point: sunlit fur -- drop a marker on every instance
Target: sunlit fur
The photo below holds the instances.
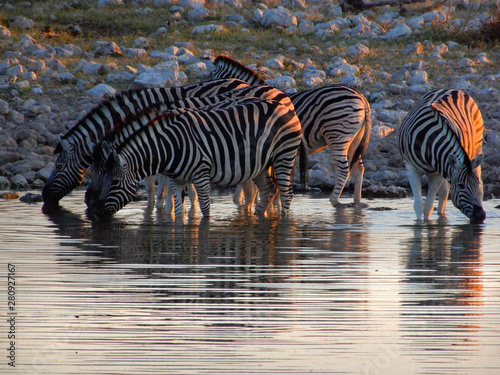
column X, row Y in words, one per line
column 101, row 120
column 225, row 147
column 334, row 116
column 442, row 138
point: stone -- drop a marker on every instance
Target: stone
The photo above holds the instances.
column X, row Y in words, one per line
column 20, row 22
column 107, row 49
column 101, row 90
column 401, row 30
column 358, row 50
column 204, row 29
column 283, row 83
column 281, row 17
column 18, row 181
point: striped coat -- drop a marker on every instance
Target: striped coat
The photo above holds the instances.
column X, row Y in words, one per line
column 226, row 147
column 75, row 147
column 442, row 138
column 335, row 116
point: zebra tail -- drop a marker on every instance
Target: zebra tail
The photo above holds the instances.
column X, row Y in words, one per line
column 363, row 144
column 303, row 166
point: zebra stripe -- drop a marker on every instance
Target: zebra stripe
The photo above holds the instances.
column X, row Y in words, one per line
column 75, row 147
column 442, row 138
column 226, row 146
column 125, row 128
column 335, row 116
column 226, row 67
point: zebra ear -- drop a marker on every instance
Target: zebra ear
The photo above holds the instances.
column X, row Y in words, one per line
column 476, row 162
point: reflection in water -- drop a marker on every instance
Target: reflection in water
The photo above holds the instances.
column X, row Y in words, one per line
column 443, row 288
column 342, row 290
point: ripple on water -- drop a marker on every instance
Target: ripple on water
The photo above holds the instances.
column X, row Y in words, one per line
column 324, row 291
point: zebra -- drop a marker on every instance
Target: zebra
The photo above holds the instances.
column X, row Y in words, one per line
column 226, row 147
column 127, row 127
column 334, row 116
column 441, row 137
column 74, row 148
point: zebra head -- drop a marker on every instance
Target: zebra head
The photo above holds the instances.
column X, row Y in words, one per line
column 466, row 187
column 119, row 187
column 100, row 155
column 67, row 173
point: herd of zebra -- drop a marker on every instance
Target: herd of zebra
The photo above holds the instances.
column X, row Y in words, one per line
column 234, row 130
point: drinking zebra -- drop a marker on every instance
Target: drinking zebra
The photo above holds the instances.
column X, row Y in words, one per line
column 335, row 116
column 442, row 138
column 74, row 148
column 226, row 147
column 127, row 127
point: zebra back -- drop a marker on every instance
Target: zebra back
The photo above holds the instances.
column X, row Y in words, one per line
column 448, row 119
column 226, row 67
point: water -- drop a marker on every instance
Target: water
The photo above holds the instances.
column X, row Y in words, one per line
column 348, row 291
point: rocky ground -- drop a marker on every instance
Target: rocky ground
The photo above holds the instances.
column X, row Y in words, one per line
column 392, row 55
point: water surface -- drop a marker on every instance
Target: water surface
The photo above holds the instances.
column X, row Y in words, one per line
column 325, row 291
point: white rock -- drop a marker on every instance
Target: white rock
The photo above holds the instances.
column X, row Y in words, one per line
column 4, row 107
column 4, row 32
column 464, row 63
column 192, row 3
column 105, row 3
column 20, row 22
column 358, row 50
column 156, row 78
column 198, row 69
column 278, row 17
column 107, row 48
column 207, row 29
column 417, row 77
column 434, row 16
column 276, row 63
column 134, row 53
column 350, row 81
column 101, row 90
column 283, row 83
column 401, row 30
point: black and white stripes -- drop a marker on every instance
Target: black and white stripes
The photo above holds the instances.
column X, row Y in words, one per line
column 334, row 116
column 226, row 146
column 442, row 138
column 75, row 147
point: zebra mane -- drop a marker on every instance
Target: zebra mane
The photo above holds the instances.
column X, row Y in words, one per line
column 224, row 60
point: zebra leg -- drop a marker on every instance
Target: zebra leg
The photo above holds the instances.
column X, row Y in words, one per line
column 150, row 189
column 237, row 199
column 193, row 198
column 267, row 191
column 435, row 181
column 415, row 179
column 161, row 191
column 357, row 172
column 341, row 168
column 202, row 187
column 250, row 193
column 443, row 191
column 283, row 174
column 177, row 191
